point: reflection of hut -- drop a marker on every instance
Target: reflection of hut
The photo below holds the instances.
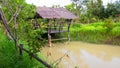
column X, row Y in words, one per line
column 55, row 14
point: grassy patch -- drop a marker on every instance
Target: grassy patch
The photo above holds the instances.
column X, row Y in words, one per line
column 10, row 60
column 98, row 32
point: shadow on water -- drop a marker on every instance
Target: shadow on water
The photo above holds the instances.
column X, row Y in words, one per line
column 83, row 55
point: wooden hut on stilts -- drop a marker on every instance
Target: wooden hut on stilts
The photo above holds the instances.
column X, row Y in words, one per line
column 55, row 14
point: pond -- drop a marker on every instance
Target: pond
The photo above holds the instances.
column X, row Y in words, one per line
column 83, row 55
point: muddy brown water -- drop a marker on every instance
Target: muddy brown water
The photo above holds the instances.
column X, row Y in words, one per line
column 83, row 55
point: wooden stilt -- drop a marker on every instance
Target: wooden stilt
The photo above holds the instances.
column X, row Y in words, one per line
column 49, row 40
column 69, row 23
column 68, row 37
column 49, row 36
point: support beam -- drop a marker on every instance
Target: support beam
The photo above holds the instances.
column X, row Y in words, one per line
column 69, row 23
column 49, row 36
column 49, row 40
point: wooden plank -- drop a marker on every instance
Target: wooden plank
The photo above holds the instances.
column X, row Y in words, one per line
column 57, row 27
column 57, row 39
column 58, row 31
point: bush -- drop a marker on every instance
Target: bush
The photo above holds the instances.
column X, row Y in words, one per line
column 116, row 31
column 10, row 60
column 117, row 24
column 96, row 24
column 94, row 32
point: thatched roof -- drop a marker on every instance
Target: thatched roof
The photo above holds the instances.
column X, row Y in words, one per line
column 50, row 13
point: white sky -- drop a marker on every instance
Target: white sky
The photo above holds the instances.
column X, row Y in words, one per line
column 50, row 3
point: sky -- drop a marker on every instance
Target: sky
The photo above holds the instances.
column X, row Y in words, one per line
column 50, row 3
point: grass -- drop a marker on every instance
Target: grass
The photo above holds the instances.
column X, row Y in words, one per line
column 98, row 32
column 8, row 58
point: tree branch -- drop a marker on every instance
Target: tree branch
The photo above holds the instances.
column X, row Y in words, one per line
column 18, row 9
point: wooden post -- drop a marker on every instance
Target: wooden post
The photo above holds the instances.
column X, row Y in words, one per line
column 69, row 23
column 21, row 45
column 49, row 37
column 55, row 25
column 60, row 27
column 49, row 40
column 68, row 36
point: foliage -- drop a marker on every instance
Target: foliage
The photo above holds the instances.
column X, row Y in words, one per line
column 116, row 31
column 10, row 60
column 26, row 31
column 117, row 6
column 71, row 7
column 90, row 11
column 98, row 32
column 95, row 8
column 79, row 5
column 110, row 10
column 34, row 39
column 108, row 24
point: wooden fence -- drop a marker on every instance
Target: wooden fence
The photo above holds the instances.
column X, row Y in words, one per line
column 32, row 55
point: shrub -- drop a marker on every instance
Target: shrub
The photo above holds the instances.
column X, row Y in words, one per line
column 10, row 60
column 116, row 31
column 94, row 32
column 95, row 24
column 98, row 32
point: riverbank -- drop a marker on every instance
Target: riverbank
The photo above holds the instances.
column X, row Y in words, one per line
column 98, row 32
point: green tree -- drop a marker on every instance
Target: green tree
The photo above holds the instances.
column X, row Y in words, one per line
column 24, row 22
column 71, row 7
column 79, row 5
column 95, row 8
column 110, row 10
column 117, row 6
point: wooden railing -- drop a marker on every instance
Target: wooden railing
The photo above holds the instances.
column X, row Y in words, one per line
column 32, row 55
